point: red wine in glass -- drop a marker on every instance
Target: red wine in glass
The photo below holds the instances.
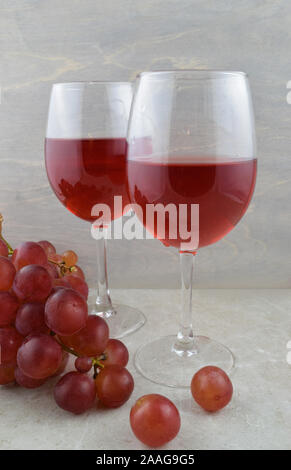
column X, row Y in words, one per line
column 85, row 153
column 222, row 187
column 202, row 161
column 85, row 172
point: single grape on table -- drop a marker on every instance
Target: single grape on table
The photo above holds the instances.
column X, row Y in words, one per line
column 155, row 420
column 211, row 388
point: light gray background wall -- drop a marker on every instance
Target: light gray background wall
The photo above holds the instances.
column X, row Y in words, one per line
column 44, row 41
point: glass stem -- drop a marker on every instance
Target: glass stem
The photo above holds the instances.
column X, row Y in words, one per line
column 103, row 301
column 185, row 344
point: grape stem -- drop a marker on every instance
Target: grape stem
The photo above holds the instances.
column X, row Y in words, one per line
column 95, row 361
column 95, row 371
column 97, row 365
column 63, row 268
column 65, row 348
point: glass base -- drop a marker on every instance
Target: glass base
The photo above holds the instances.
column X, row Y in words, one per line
column 160, row 362
column 122, row 320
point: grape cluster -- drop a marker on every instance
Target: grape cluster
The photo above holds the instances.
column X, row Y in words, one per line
column 44, row 318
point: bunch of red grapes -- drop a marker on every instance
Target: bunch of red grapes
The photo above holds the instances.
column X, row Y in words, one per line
column 44, row 317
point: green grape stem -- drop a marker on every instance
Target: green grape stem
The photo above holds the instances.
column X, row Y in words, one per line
column 96, row 361
column 97, row 366
column 63, row 268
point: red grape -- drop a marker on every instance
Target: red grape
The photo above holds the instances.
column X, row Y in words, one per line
column 6, row 374
column 70, row 258
column 83, row 364
column 56, row 289
column 48, row 247
column 155, row 420
column 116, row 353
column 114, row 385
column 66, row 312
column 8, row 308
column 52, row 270
column 63, row 364
column 56, row 258
column 29, row 253
column 62, row 282
column 25, row 381
column 79, row 285
column 30, row 319
column 77, row 272
column 10, row 342
column 75, row 392
column 7, row 273
column 39, row 356
column 211, row 388
column 91, row 340
column 32, row 283
column 3, row 249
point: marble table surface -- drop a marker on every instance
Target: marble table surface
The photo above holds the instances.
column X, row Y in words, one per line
column 255, row 324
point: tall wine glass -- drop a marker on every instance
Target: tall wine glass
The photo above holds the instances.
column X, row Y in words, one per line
column 201, row 155
column 85, row 154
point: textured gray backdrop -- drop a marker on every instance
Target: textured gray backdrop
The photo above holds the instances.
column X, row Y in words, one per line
column 44, row 41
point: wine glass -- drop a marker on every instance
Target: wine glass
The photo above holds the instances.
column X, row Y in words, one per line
column 202, row 164
column 85, row 155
